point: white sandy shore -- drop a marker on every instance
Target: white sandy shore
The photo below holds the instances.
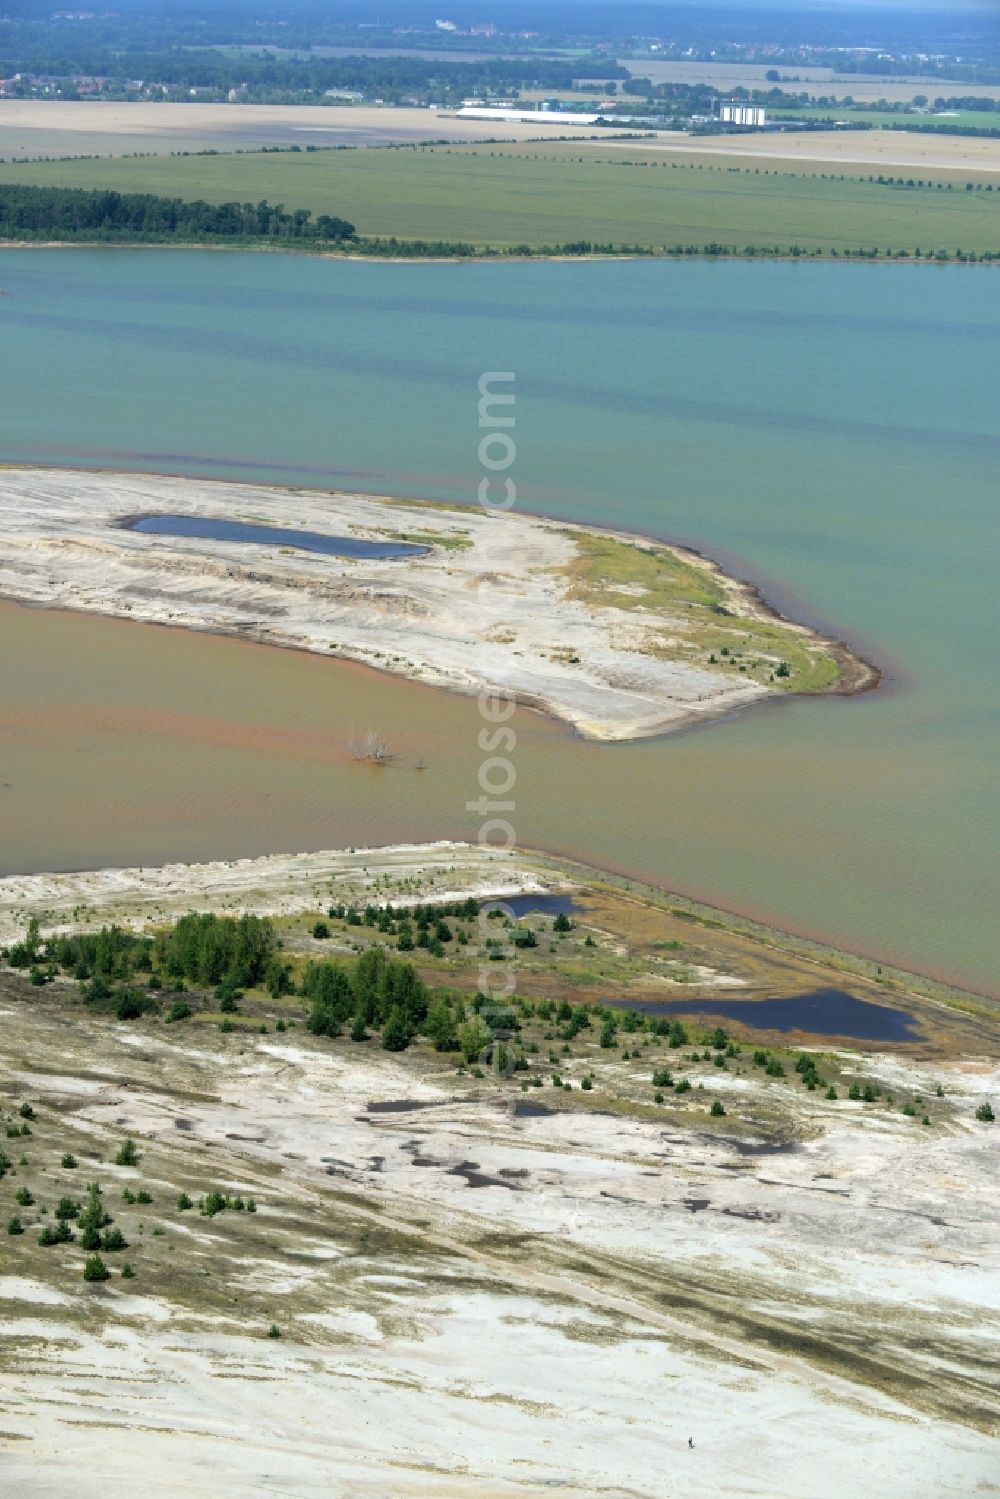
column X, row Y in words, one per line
column 272, row 885
column 437, row 1359
column 489, row 606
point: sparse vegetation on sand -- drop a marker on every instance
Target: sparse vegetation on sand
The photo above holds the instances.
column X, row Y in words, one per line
column 705, row 627
column 367, row 1153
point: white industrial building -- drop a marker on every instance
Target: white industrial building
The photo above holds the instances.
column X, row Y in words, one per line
column 513, row 115
column 735, row 112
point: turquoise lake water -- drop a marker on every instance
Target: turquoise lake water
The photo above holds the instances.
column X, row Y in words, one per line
column 830, row 431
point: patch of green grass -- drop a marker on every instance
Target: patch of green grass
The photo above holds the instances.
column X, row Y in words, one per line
column 616, row 574
column 449, row 542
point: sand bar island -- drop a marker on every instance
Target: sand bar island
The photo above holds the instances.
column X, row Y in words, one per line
column 618, row 635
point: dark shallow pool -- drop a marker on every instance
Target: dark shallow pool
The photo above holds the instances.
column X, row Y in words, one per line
column 236, row 530
column 823, row 1012
column 539, row 905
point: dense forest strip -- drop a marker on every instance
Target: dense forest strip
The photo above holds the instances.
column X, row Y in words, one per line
column 96, row 214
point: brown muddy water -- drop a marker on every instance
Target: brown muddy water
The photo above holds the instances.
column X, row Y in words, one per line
column 848, row 478
column 125, row 743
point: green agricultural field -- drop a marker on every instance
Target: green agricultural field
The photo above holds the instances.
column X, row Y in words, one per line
column 553, row 194
column 979, row 119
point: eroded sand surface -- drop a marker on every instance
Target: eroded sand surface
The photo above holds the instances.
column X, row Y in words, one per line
column 484, row 1288
column 491, row 605
column 272, row 885
column 476, row 1302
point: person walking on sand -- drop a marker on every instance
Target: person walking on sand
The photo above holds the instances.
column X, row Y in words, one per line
column 690, row 1441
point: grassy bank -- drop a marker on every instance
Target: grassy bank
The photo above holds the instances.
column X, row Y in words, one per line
column 551, row 195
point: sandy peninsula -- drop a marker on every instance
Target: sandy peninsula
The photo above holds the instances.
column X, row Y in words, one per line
column 619, row 636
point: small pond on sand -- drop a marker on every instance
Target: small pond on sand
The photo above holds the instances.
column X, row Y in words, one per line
column 822, row 1012
column 212, row 529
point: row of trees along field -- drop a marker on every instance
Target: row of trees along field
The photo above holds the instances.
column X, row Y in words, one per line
column 71, row 213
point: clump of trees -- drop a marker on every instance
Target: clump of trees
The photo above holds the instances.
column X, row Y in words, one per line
column 216, row 1202
column 380, row 992
column 97, row 214
column 117, row 969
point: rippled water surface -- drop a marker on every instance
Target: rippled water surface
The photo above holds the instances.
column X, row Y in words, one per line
column 830, row 431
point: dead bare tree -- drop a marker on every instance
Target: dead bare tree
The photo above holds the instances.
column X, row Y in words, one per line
column 371, row 748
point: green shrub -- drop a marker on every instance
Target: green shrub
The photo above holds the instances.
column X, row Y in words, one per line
column 96, row 1269
column 127, row 1272
column 677, row 1035
column 60, row 1233
column 179, row 1010
column 396, row 1032
column 717, row 1111
column 985, row 1114
column 228, row 995
column 184, row 1202
column 15, row 1226
column 127, row 1155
